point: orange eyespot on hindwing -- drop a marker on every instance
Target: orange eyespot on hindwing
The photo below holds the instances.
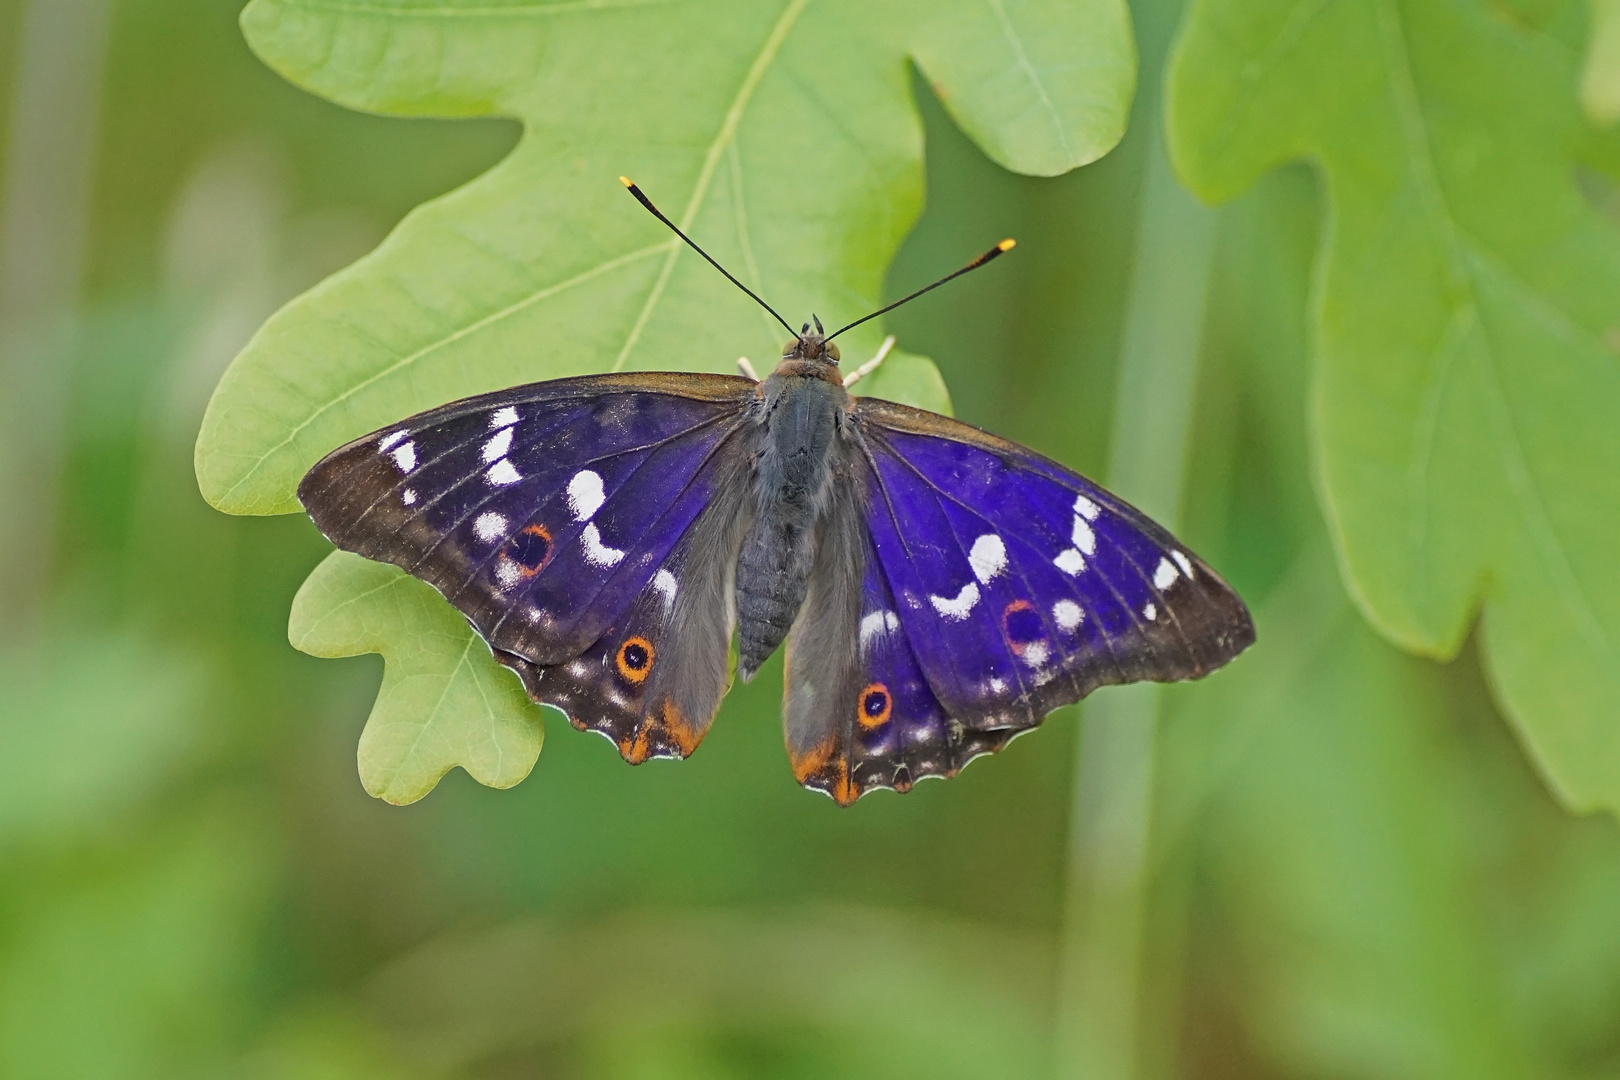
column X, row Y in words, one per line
column 874, row 706
column 635, row 659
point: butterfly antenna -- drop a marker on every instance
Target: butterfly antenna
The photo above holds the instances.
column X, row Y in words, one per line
column 676, row 229
column 1000, row 249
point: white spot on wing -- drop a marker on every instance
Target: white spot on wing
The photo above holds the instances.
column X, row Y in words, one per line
column 585, row 494
column 390, row 439
column 503, row 417
column 596, row 552
column 958, row 606
column 1150, row 613
column 408, row 498
column 1070, row 561
column 498, row 444
column 988, row 557
column 998, row 686
column 507, row 573
column 1067, row 614
column 1084, row 538
column 878, row 622
column 1164, row 575
column 1086, row 508
column 1183, row 562
column 1034, row 654
column 405, row 456
column 502, row 473
column 665, row 583
column 490, row 526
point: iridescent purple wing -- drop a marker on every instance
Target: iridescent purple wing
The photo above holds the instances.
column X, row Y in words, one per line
column 563, row 519
column 859, row 712
column 998, row 586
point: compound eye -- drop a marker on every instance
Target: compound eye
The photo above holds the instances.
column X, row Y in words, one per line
column 832, row 351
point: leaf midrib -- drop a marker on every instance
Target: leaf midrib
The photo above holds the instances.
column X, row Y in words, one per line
column 711, row 162
column 1016, row 43
column 409, row 756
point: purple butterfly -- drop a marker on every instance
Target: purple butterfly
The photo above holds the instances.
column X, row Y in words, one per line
column 939, row 589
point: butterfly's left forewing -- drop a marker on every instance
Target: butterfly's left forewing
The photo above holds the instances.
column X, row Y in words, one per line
column 560, row 518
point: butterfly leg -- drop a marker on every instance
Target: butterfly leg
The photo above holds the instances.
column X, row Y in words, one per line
column 747, row 369
column 871, row 365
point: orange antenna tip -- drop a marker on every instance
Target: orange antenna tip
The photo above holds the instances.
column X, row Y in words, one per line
column 1007, row 244
column 625, row 180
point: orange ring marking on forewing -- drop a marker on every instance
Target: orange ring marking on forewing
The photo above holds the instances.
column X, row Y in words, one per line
column 524, row 569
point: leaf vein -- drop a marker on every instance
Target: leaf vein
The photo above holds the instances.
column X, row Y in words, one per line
column 1024, row 65
column 448, row 339
column 711, row 162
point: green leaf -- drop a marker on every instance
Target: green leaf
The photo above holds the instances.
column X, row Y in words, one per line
column 444, row 701
column 1467, row 383
column 782, row 136
column 1600, row 82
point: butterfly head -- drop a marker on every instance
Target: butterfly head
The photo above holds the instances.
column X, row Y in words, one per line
column 811, row 345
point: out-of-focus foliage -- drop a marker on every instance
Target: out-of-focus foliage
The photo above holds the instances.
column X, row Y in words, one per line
column 1600, row 82
column 1356, row 871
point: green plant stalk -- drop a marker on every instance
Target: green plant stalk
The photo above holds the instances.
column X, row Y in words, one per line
column 1099, row 994
column 49, row 167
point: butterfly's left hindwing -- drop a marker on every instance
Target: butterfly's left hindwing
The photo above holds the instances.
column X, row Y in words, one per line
column 560, row 519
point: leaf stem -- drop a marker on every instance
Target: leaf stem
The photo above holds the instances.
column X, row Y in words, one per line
column 1099, row 995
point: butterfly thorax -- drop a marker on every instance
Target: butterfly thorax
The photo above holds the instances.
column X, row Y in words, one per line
column 804, row 411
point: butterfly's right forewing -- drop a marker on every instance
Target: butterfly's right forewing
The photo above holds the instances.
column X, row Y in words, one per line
column 995, row 587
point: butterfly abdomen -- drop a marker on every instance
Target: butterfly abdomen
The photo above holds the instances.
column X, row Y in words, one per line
column 792, row 481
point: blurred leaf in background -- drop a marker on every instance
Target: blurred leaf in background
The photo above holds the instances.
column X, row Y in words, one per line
column 1466, row 388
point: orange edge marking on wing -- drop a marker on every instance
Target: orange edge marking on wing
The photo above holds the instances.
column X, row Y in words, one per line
column 685, row 736
column 816, row 760
column 668, row 720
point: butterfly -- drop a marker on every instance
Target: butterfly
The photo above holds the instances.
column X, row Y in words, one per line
column 938, row 590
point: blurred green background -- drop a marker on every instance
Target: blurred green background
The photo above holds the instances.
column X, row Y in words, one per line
column 1353, row 871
